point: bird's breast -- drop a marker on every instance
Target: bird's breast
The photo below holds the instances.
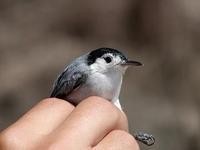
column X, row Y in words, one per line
column 104, row 85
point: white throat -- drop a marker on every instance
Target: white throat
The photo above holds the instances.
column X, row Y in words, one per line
column 107, row 85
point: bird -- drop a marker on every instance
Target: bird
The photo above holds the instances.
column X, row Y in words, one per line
column 97, row 73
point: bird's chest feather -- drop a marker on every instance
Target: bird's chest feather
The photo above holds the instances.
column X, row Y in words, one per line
column 104, row 85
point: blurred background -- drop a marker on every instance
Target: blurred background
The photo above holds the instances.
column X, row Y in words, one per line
column 38, row 38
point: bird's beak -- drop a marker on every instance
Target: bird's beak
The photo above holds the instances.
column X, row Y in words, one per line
column 131, row 63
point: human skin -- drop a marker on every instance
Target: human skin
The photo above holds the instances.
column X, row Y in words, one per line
column 55, row 124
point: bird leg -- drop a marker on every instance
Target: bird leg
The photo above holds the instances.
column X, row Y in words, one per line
column 145, row 138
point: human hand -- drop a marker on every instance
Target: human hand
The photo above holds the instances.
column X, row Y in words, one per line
column 54, row 124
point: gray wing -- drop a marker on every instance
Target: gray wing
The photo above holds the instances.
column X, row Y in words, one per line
column 67, row 82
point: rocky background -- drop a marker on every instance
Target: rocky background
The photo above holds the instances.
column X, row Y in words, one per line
column 38, row 38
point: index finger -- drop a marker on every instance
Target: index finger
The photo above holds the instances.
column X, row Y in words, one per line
column 47, row 115
column 89, row 122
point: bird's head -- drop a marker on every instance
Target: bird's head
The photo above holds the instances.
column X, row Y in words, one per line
column 108, row 59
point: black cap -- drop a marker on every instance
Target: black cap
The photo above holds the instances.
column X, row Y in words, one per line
column 93, row 55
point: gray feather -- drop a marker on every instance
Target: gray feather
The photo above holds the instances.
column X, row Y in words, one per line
column 69, row 80
column 64, row 87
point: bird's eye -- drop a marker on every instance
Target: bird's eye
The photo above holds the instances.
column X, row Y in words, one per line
column 108, row 59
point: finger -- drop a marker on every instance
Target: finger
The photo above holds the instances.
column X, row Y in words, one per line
column 117, row 140
column 89, row 122
column 41, row 119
